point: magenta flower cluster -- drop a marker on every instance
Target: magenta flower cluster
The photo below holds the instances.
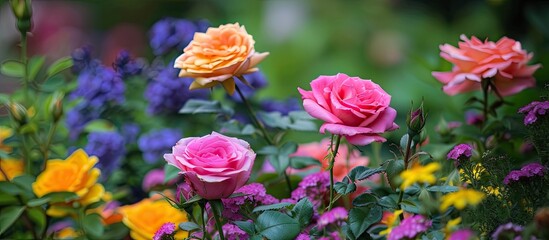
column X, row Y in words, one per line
column 526, row 172
column 335, row 216
column 460, row 151
column 410, row 227
column 533, row 110
column 314, row 186
column 254, row 194
column 165, row 230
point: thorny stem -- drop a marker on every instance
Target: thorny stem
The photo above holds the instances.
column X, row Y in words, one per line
column 252, row 113
column 331, row 167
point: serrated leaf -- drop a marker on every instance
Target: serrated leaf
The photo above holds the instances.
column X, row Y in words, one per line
column 247, row 227
column 365, row 199
column 8, row 216
column 196, row 106
column 92, row 225
column 277, row 225
column 369, row 172
column 345, row 187
column 58, row 66
column 361, row 218
column 393, row 169
column 355, row 172
column 275, row 206
column 303, row 212
column 388, row 202
column 12, row 68
column 189, row 226
column 170, row 172
column 410, row 206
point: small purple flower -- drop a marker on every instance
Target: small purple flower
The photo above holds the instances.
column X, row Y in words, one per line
column 256, row 80
column 314, row 186
column 410, row 227
column 78, row 117
column 82, row 60
column 473, row 118
column 527, row 172
column 183, row 190
column 130, row 132
column 58, row 226
column 462, row 234
column 167, row 93
column 303, row 236
column 156, row 143
column 155, row 178
column 460, row 152
column 283, row 107
column 335, row 216
column 166, row 231
column 173, row 34
column 534, row 110
column 127, row 67
column 508, row 231
column 99, row 87
column 255, row 195
column 109, row 149
column 513, row 176
column 233, row 232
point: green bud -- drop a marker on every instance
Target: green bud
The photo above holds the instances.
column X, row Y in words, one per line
column 21, row 9
column 19, row 113
column 56, row 107
column 416, row 120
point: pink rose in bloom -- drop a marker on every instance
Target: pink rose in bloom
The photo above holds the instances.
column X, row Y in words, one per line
column 504, row 62
column 352, row 107
column 214, row 165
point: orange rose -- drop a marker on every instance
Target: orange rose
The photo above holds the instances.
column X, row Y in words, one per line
column 75, row 174
column 218, row 55
column 4, row 134
column 147, row 216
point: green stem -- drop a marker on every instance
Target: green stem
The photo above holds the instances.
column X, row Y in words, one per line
column 26, row 154
column 25, row 71
column 406, row 160
column 485, row 89
column 331, row 167
column 46, row 147
column 253, row 116
column 202, row 210
column 217, row 219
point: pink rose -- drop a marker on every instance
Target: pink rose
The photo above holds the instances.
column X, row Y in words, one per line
column 214, row 165
column 504, row 62
column 352, row 107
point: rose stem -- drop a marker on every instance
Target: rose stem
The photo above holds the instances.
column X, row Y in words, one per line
column 217, row 219
column 252, row 113
column 406, row 156
column 331, row 167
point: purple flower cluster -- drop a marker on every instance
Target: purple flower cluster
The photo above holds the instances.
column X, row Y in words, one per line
column 410, row 227
column 108, row 147
column 315, row 187
column 82, row 60
column 256, row 80
column 78, row 117
column 474, row 118
column 528, row 171
column 460, row 152
column 508, row 231
column 167, row 93
column 462, row 234
column 166, row 231
column 173, row 34
column 155, row 143
column 335, row 216
column 283, row 107
column 127, row 67
column 233, row 232
column 99, row 87
column 533, row 110
column 129, row 132
column 254, row 194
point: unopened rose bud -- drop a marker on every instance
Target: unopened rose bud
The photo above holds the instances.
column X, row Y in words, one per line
column 19, row 113
column 56, row 107
column 22, row 10
column 416, row 121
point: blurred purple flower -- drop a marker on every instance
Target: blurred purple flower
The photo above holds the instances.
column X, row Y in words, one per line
column 99, row 86
column 82, row 60
column 335, row 216
column 284, row 107
column 533, row 110
column 167, row 93
column 127, row 67
column 166, row 229
column 256, row 80
column 303, row 236
column 460, row 152
column 462, row 234
column 130, row 132
column 525, row 173
column 410, row 227
column 473, row 118
column 155, row 143
column 78, row 117
column 58, row 226
column 233, row 232
column 109, row 149
column 314, row 186
column 255, row 195
column 183, row 189
column 155, row 178
column 173, row 34
column 508, row 231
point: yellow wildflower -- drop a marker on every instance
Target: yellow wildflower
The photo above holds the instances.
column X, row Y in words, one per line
column 389, row 219
column 461, row 199
column 452, row 225
column 11, row 168
column 419, row 174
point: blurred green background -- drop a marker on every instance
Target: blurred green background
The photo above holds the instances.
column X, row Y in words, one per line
column 394, row 43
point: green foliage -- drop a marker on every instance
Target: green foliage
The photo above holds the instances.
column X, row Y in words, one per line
column 8, row 216
column 277, row 225
column 361, row 218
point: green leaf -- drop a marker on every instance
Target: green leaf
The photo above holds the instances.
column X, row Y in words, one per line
column 275, row 206
column 189, row 226
column 246, row 226
column 192, row 200
column 393, row 170
column 355, row 172
column 7, row 199
column 361, row 218
column 279, row 162
column 54, row 83
column 38, row 218
column 196, row 106
column 10, row 188
column 58, row 66
column 345, row 187
column 443, row 189
column 365, row 199
column 35, row 64
column 268, row 150
column 38, row 201
column 61, row 197
column 277, row 225
column 12, row 68
column 368, row 172
column 99, row 125
column 24, row 181
column 303, row 212
column 170, row 172
column 410, row 206
column 116, row 231
column 404, row 141
column 388, row 202
column 303, row 162
column 92, row 225
column 288, row 148
column 8, row 216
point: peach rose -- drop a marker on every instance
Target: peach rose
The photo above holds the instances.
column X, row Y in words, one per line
column 147, row 216
column 75, row 174
column 218, row 55
column 505, row 62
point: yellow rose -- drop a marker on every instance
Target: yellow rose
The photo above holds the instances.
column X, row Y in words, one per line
column 10, row 168
column 216, row 56
column 147, row 216
column 75, row 174
column 5, row 133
